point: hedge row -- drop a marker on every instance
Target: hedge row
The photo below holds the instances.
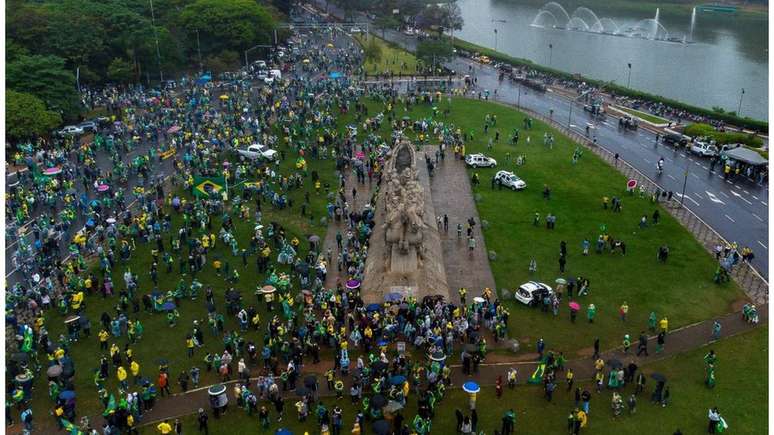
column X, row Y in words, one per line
column 723, row 138
column 748, row 123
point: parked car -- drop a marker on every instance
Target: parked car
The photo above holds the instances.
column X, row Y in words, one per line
column 704, row 149
column 509, row 180
column 532, row 293
column 260, row 64
column 88, row 126
column 258, row 151
column 355, row 30
column 627, row 123
column 480, row 160
column 674, row 140
column 71, row 129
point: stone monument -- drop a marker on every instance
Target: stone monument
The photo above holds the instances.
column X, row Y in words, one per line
column 405, row 254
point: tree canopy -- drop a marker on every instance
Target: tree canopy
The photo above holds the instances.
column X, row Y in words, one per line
column 227, row 24
column 26, row 116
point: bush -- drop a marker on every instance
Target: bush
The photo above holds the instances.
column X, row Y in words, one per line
column 722, row 138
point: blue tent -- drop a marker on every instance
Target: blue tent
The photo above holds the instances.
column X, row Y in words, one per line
column 204, row 79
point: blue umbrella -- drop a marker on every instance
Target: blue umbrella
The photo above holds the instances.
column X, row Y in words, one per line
column 397, row 380
column 335, row 75
column 67, row 395
column 393, row 297
column 283, row 431
column 471, row 387
column 373, row 307
column 168, row 306
column 382, row 342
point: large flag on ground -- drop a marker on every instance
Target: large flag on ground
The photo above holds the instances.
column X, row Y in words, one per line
column 69, row 427
column 206, row 186
column 111, row 407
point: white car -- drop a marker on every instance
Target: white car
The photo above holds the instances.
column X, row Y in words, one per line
column 268, row 80
column 532, row 292
column 704, row 149
column 258, row 151
column 262, row 74
column 260, row 64
column 509, row 180
column 71, row 129
column 480, row 160
column 355, row 30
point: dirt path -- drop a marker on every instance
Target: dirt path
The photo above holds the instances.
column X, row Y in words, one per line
column 679, row 341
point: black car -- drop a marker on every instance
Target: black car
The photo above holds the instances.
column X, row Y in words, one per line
column 674, row 140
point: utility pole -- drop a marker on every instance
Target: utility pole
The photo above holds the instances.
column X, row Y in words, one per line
column 495, row 32
column 78, row 78
column 518, row 98
column 629, row 79
column 156, row 36
column 739, row 110
column 199, row 50
column 685, row 183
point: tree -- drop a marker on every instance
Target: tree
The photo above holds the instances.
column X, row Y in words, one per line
column 46, row 78
column 372, row 52
column 26, row 116
column 224, row 61
column 227, row 24
column 434, row 52
column 120, row 71
column 386, row 21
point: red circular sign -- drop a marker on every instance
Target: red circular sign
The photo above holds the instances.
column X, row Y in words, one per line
column 631, row 184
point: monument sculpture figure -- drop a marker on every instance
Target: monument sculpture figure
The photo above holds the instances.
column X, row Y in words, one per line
column 407, row 254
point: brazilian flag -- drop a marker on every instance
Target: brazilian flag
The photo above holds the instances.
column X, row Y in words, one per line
column 111, row 407
column 204, row 187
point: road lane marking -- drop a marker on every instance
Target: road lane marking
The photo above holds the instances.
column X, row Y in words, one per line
column 757, row 217
column 741, row 197
column 714, row 198
column 729, row 218
column 755, row 197
column 725, row 194
column 763, row 202
column 697, row 177
column 688, row 198
column 668, row 175
column 764, row 246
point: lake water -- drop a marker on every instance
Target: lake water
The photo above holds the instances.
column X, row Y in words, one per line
column 729, row 52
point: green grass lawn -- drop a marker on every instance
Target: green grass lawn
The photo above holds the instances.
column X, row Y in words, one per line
column 682, row 289
column 393, row 59
column 671, row 289
column 740, row 399
column 643, row 115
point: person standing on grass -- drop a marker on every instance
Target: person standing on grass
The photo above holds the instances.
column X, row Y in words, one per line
column 623, row 311
column 202, row 419
column 716, row 330
column 660, row 340
column 642, row 346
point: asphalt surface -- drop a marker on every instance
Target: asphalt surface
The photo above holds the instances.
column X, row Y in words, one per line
column 736, row 209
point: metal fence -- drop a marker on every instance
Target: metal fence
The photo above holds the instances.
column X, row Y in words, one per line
column 749, row 279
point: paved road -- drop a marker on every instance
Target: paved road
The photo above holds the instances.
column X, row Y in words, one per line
column 737, row 209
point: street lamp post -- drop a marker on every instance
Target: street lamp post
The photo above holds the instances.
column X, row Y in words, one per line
column 569, row 118
column 739, row 110
column 518, row 98
column 156, row 36
column 495, row 34
column 629, row 79
column 685, row 183
column 550, row 53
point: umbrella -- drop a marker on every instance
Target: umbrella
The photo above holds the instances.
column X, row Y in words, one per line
column 479, row 300
column 471, row 387
column 173, row 129
column 393, row 297
column 110, row 220
column 382, row 342
column 283, row 431
column 306, row 60
column 103, row 188
column 168, row 306
column 392, row 407
column 302, row 391
column 54, row 371
column 335, row 75
column 373, row 307
column 397, row 380
column 53, row 171
column 381, row 427
column 329, row 45
column 438, row 356
column 471, row 347
column 314, row 238
column 378, row 401
column 574, row 305
column 353, row 284
column 67, row 395
column 268, row 289
column 658, row 377
column 614, row 363
column 224, row 97
column 310, row 382
column 561, row 281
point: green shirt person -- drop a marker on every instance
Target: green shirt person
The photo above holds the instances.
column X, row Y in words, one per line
column 591, row 312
